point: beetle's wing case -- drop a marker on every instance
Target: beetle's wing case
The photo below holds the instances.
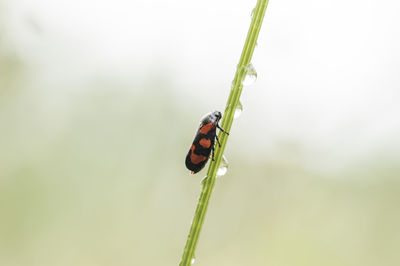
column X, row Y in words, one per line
column 198, row 155
column 203, row 143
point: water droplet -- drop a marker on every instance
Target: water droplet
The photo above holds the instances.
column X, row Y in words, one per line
column 223, row 166
column 253, row 12
column 192, row 261
column 251, row 75
column 238, row 110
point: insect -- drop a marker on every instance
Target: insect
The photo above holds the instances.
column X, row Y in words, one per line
column 203, row 143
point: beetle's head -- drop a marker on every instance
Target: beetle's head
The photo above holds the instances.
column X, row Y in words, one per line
column 217, row 114
column 212, row 117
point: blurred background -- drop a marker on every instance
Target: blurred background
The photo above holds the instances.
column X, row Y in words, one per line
column 100, row 100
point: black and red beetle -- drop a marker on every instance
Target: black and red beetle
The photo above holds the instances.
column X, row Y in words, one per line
column 203, row 143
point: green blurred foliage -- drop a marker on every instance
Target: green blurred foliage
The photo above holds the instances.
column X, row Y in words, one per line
column 95, row 176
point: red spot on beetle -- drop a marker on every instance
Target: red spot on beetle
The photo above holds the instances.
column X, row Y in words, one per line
column 206, row 128
column 205, row 143
column 196, row 159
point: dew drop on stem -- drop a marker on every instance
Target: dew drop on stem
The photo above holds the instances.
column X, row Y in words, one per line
column 223, row 166
column 238, row 110
column 251, row 75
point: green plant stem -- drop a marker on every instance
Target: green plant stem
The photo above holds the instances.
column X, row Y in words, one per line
column 233, row 100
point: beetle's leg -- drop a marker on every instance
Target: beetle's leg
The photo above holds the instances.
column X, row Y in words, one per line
column 219, row 144
column 220, row 128
column 212, row 154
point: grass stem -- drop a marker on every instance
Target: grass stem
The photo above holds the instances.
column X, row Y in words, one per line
column 233, row 100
